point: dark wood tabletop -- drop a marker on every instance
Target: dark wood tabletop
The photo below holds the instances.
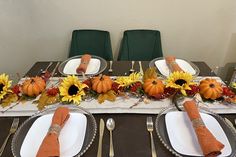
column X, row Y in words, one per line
column 130, row 137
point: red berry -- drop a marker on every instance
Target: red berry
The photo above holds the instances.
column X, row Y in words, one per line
column 16, row 89
column 52, row 91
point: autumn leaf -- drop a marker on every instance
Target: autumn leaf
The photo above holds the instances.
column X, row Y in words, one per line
column 46, row 100
column 10, row 98
column 110, row 96
column 150, row 73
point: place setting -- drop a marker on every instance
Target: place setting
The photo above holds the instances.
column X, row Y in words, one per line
column 90, row 65
column 195, row 131
column 74, row 127
column 164, row 69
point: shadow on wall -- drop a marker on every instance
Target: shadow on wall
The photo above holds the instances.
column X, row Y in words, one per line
column 227, row 71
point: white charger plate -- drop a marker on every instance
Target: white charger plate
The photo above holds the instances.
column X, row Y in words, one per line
column 182, row 136
column 71, row 137
column 71, row 66
column 164, row 69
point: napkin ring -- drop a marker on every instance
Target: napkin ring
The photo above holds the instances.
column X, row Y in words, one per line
column 172, row 63
column 55, row 128
column 197, row 122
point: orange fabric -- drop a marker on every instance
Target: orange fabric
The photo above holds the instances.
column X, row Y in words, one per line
column 84, row 63
column 173, row 66
column 210, row 146
column 50, row 146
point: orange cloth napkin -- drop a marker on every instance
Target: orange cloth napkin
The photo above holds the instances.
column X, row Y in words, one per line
column 84, row 63
column 50, row 145
column 171, row 63
column 210, row 146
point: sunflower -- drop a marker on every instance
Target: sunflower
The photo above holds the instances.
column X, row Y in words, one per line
column 233, row 84
column 180, row 81
column 5, row 84
column 126, row 81
column 71, row 89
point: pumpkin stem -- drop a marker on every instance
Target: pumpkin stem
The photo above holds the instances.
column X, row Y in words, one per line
column 212, row 85
column 100, row 77
column 32, row 81
column 154, row 82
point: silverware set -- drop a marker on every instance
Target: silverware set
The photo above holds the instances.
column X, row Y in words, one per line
column 55, row 69
column 110, row 125
column 45, row 70
column 12, row 130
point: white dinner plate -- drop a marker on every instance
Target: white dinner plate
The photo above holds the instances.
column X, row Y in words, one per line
column 73, row 64
column 71, row 137
column 183, row 138
column 164, row 69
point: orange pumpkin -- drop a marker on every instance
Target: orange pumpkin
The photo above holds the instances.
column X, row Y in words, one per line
column 33, row 86
column 153, row 86
column 210, row 89
column 102, row 83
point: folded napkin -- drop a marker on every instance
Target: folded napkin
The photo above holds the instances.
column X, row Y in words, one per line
column 171, row 63
column 210, row 146
column 50, row 145
column 84, row 63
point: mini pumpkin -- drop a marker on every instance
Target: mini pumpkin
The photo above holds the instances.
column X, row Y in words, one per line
column 210, row 89
column 153, row 86
column 102, row 83
column 33, row 86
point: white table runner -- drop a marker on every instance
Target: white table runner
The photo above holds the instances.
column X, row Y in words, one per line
column 121, row 105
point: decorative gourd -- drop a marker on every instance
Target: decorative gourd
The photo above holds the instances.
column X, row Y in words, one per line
column 210, row 89
column 153, row 86
column 33, row 86
column 101, row 83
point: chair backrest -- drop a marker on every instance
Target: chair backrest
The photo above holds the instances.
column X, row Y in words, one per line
column 94, row 42
column 140, row 45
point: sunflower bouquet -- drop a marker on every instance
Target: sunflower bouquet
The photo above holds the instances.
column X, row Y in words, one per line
column 7, row 96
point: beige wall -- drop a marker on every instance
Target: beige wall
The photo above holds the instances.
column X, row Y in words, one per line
column 33, row 30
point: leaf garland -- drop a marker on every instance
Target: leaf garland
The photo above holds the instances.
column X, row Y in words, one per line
column 110, row 96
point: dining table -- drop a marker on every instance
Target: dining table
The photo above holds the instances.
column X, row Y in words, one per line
column 130, row 136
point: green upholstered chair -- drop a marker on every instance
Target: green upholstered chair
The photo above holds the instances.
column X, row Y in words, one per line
column 94, row 42
column 142, row 45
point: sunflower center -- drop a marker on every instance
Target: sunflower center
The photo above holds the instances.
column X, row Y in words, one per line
column 1, row 87
column 180, row 82
column 73, row 90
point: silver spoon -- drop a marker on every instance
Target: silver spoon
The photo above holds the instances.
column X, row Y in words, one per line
column 110, row 69
column 110, row 124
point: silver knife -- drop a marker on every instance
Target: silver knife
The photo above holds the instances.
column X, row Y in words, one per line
column 101, row 130
column 54, row 70
column 230, row 123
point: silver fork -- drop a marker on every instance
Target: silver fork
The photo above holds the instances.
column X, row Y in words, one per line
column 13, row 129
column 150, row 130
column 140, row 67
column 54, row 70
